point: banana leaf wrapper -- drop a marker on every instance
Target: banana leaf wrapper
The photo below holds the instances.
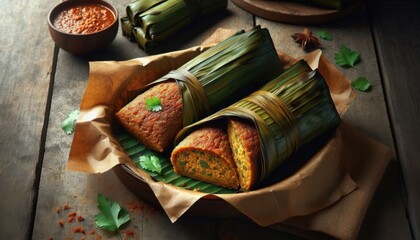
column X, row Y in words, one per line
column 219, row 76
column 290, row 111
column 150, row 22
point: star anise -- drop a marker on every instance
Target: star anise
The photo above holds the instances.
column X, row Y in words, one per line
column 306, row 39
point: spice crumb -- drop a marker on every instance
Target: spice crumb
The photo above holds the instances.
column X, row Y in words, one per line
column 66, row 206
column 128, row 234
column 79, row 230
column 133, row 206
column 80, row 218
column 72, row 214
column 60, row 223
column 70, row 219
column 57, row 210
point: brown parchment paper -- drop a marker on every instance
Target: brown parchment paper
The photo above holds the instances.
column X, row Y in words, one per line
column 322, row 183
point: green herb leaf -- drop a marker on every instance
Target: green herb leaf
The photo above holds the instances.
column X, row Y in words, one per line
column 112, row 216
column 150, row 163
column 153, row 104
column 361, row 84
column 68, row 124
column 346, row 57
column 324, row 35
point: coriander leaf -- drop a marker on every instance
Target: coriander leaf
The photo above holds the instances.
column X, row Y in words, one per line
column 153, row 104
column 361, row 84
column 346, row 57
column 68, row 124
column 112, row 216
column 150, row 163
column 324, row 35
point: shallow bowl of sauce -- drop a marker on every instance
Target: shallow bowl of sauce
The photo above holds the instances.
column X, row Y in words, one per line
column 82, row 27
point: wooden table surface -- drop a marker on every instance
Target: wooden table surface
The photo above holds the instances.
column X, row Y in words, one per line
column 40, row 84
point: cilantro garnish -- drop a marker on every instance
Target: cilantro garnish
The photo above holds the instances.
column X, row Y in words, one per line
column 324, row 35
column 112, row 216
column 153, row 104
column 150, row 163
column 68, row 124
column 346, row 57
column 361, row 84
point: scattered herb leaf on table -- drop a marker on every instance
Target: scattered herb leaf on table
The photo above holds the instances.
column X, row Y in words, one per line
column 112, row 216
column 68, row 124
column 324, row 35
column 361, row 83
column 347, row 58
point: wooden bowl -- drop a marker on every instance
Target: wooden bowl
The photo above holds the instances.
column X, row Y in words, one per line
column 296, row 12
column 82, row 44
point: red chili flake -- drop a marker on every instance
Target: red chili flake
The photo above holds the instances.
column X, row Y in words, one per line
column 92, row 231
column 83, row 238
column 80, row 218
column 128, row 234
column 57, row 210
column 51, row 238
column 133, row 206
column 70, row 219
column 98, row 237
column 66, row 206
column 72, row 214
column 79, row 230
column 60, row 223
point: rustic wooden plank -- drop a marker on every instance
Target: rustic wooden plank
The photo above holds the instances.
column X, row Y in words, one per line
column 25, row 66
column 58, row 186
column 368, row 113
column 395, row 26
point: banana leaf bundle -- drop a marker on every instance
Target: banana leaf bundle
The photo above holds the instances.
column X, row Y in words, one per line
column 151, row 21
column 288, row 112
column 209, row 82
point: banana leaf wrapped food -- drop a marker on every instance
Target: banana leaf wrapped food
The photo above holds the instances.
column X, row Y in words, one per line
column 151, row 21
column 263, row 129
column 209, row 82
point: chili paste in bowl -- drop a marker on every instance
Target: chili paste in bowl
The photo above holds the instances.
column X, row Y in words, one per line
column 83, row 27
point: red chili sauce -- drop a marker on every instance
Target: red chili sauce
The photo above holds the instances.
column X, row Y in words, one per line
column 84, row 19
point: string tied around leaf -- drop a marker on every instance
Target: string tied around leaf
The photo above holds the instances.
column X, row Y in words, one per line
column 263, row 107
column 195, row 103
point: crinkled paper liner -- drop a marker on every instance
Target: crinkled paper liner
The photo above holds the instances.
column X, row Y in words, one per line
column 314, row 199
